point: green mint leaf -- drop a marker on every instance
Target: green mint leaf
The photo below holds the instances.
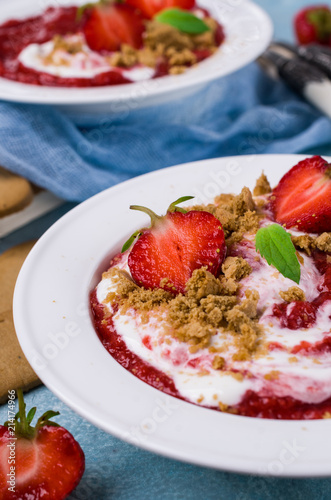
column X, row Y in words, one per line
column 182, row 20
column 275, row 245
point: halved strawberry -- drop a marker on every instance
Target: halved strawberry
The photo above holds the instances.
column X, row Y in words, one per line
column 108, row 26
column 151, row 7
column 174, row 246
column 302, row 198
column 313, row 25
column 38, row 462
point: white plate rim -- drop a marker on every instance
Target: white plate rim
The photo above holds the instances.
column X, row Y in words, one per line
column 244, row 50
column 249, row 445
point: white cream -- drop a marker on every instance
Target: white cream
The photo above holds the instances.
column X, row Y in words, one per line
column 299, row 376
column 83, row 64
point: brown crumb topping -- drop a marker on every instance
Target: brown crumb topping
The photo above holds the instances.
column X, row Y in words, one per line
column 237, row 214
column 294, row 293
column 272, row 375
column 71, row 46
column 308, row 243
column 236, row 268
column 262, row 186
column 208, row 305
column 163, row 42
column 323, row 242
column 218, row 362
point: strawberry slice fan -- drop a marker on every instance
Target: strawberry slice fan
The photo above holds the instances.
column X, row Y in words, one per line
column 44, row 461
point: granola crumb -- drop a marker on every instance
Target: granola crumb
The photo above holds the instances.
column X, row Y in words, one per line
column 125, row 58
column 262, row 186
column 180, row 57
column 304, row 242
column 323, row 242
column 272, row 375
column 218, row 363
column 293, row 359
column 223, row 407
column 177, row 70
column 294, row 293
column 236, row 268
column 327, row 414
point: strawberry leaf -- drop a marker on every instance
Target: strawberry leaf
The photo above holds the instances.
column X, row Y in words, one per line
column 173, row 206
column 129, row 242
column 45, row 419
column 31, row 415
column 275, row 245
column 182, row 20
column 321, row 20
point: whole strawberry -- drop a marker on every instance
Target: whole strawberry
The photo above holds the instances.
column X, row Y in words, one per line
column 41, row 462
column 302, row 198
column 166, row 254
column 313, row 25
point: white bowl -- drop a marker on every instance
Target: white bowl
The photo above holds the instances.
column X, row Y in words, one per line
column 54, row 327
column 248, row 32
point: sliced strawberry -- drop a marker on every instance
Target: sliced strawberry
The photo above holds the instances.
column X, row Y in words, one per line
column 48, row 462
column 302, row 198
column 151, row 7
column 313, row 25
column 174, row 246
column 107, row 27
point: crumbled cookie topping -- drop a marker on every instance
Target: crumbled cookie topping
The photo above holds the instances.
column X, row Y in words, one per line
column 72, row 46
column 164, row 42
column 195, row 317
column 309, row 243
column 292, row 294
column 236, row 268
column 237, row 214
column 262, row 186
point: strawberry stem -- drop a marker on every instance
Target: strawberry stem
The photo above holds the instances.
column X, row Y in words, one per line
column 148, row 211
column 154, row 218
column 23, row 428
column 22, row 421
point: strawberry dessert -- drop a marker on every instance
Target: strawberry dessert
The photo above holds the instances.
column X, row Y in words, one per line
column 107, row 43
column 228, row 305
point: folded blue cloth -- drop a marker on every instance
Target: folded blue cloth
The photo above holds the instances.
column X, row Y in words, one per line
column 244, row 113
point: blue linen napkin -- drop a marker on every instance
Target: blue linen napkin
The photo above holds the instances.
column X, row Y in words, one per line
column 244, row 113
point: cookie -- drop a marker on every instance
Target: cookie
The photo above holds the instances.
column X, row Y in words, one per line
column 15, row 370
column 15, row 193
